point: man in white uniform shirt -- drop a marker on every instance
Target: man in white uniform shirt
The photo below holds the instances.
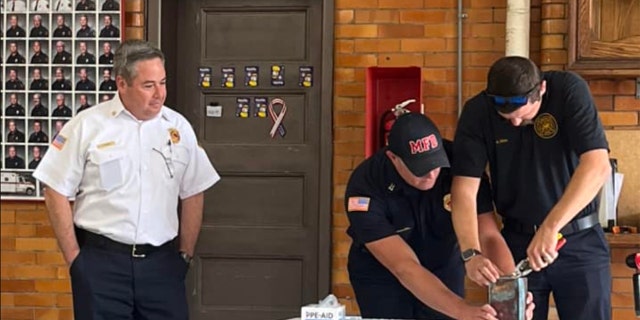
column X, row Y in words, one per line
column 39, row 5
column 126, row 162
column 16, row 6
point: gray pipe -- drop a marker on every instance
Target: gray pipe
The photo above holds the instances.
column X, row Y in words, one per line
column 461, row 17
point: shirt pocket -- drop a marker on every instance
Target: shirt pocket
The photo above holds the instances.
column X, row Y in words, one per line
column 110, row 166
column 180, row 160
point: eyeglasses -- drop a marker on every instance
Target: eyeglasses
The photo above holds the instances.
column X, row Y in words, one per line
column 167, row 160
column 510, row 104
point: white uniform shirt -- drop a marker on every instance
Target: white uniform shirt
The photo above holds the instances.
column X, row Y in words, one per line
column 16, row 6
column 126, row 175
column 61, row 5
column 39, row 5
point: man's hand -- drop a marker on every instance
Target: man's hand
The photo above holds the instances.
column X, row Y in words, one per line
column 542, row 249
column 530, row 306
column 481, row 270
column 71, row 256
column 485, row 312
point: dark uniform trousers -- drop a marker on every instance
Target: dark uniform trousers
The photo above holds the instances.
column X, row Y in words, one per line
column 580, row 278
column 108, row 283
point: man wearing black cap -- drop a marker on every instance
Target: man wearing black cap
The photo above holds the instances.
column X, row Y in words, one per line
column 541, row 138
column 404, row 259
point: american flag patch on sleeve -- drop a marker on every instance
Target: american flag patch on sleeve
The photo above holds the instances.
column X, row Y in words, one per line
column 59, row 141
column 358, row 204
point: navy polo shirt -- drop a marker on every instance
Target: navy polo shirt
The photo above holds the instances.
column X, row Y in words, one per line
column 421, row 218
column 530, row 166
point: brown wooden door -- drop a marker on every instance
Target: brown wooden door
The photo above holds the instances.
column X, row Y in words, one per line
column 264, row 246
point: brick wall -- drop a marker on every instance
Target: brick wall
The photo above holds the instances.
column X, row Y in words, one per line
column 34, row 279
column 423, row 33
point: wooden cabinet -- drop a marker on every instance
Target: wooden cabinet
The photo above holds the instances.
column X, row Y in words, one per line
column 604, row 37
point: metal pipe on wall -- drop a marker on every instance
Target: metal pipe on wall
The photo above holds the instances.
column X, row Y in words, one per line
column 461, row 17
column 517, row 28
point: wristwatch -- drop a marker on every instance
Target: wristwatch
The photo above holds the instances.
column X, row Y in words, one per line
column 186, row 257
column 469, row 253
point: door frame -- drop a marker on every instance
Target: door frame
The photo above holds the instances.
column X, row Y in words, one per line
column 165, row 36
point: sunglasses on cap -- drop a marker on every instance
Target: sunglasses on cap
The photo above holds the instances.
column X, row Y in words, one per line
column 510, row 104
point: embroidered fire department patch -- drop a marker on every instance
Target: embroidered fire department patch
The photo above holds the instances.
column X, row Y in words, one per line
column 175, row 135
column 446, row 202
column 546, row 126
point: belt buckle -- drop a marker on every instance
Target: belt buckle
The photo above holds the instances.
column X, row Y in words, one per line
column 136, row 255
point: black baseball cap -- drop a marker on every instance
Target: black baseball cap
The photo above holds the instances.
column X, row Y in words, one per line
column 417, row 141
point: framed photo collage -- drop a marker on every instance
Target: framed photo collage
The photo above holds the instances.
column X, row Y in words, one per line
column 56, row 61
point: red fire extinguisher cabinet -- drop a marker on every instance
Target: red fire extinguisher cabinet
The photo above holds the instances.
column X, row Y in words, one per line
column 385, row 88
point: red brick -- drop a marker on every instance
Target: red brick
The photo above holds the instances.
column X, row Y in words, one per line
column 400, row 31
column 350, row 89
column 422, row 45
column 439, row 59
column 355, row 4
column 479, row 15
column 6, row 299
column 344, row 46
column 49, row 286
column 355, row 60
column 64, row 300
column 426, row 16
column 619, row 118
column 35, row 299
column 603, row 102
column 554, row 26
column 399, row 4
column 356, row 31
column 17, row 258
column 344, row 16
column 36, row 244
column 439, row 4
column 348, row 119
column 30, row 272
column 553, row 11
column 440, row 30
column 16, row 313
column 31, row 216
column 16, row 285
column 377, row 16
column 400, row 59
column 377, row 45
column 7, row 216
column 15, row 230
column 626, row 103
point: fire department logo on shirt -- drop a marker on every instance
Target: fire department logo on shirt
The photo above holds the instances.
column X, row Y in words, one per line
column 546, row 126
column 446, row 202
column 175, row 135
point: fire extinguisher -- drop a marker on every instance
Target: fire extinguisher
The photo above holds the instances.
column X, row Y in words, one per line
column 389, row 118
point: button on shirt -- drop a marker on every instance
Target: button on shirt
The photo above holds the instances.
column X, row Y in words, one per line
column 126, row 175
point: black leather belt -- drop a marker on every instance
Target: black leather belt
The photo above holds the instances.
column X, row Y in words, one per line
column 87, row 238
column 575, row 225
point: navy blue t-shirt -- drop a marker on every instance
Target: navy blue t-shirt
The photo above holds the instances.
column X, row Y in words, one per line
column 421, row 218
column 530, row 166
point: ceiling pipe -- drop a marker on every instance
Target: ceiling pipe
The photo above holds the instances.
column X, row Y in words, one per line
column 517, row 28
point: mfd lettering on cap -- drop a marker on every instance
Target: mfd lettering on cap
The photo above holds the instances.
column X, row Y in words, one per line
column 423, row 144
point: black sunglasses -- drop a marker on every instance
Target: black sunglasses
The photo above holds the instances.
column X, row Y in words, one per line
column 510, row 104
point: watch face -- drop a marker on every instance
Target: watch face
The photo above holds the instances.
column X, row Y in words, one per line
column 469, row 253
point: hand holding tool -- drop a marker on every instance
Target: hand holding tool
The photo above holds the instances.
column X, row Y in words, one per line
column 523, row 268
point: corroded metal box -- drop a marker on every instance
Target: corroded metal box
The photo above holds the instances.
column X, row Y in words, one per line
column 508, row 297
